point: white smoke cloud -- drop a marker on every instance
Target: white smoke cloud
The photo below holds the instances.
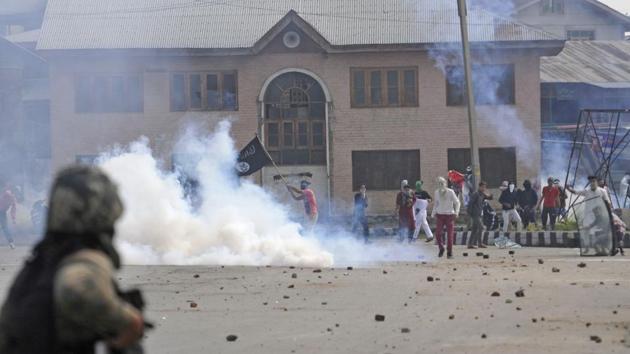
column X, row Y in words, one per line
column 238, row 222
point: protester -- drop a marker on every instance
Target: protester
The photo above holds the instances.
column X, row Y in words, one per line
column 359, row 216
column 592, row 194
column 446, row 209
column 527, row 200
column 509, row 200
column 475, row 211
column 550, row 202
column 7, row 206
column 624, row 190
column 65, row 299
column 619, row 230
column 562, row 209
column 405, row 200
column 420, row 208
column 310, row 203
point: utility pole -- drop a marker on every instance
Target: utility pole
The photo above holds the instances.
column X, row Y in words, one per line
column 472, row 114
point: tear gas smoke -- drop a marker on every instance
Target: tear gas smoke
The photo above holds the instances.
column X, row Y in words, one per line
column 238, row 223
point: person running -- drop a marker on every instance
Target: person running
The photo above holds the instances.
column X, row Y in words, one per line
column 359, row 215
column 420, row 209
column 550, row 201
column 475, row 209
column 508, row 200
column 310, row 203
column 527, row 200
column 446, row 209
column 405, row 200
column 7, row 206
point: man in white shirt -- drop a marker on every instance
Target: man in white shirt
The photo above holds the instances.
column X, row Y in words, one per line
column 420, row 209
column 446, row 209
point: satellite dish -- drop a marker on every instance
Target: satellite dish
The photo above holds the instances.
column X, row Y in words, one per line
column 291, row 39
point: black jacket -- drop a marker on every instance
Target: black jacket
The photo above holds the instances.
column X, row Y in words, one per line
column 527, row 198
column 509, row 198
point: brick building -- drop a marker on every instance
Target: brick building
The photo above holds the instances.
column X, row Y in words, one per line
column 347, row 90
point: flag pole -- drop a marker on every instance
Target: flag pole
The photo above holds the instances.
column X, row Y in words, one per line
column 273, row 162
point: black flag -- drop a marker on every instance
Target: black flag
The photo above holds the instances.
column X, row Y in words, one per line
column 252, row 158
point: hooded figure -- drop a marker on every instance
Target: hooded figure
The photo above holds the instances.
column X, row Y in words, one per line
column 509, row 200
column 527, row 199
column 64, row 299
column 446, row 210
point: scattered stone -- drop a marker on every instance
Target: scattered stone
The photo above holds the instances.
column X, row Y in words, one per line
column 483, row 336
column 384, row 272
column 285, row 297
column 404, row 330
column 479, row 254
column 614, row 312
column 337, row 325
column 511, row 252
column 555, row 270
column 349, row 268
column 429, row 278
column 541, row 261
column 196, row 276
column 450, row 317
column 294, row 276
column 518, row 309
column 231, row 338
column 291, row 286
column 596, row 339
column 292, row 267
column 534, row 320
column 329, row 329
column 265, row 303
column 582, row 265
column 495, row 294
column 193, row 305
column 465, row 254
column 588, row 324
column 520, row 293
column 324, row 303
column 379, row 318
column 317, row 270
column 508, row 301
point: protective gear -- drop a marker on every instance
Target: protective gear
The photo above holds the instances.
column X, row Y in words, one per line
column 84, row 205
column 419, row 185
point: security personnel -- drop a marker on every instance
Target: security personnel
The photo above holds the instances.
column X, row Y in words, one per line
column 65, row 299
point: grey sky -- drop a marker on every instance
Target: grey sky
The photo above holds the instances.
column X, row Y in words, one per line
column 622, row 6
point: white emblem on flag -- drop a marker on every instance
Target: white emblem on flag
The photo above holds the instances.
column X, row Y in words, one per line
column 242, row 167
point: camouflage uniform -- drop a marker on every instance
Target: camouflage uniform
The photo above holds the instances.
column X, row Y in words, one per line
column 73, row 269
column 85, row 300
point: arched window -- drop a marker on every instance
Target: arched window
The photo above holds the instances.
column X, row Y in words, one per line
column 295, row 113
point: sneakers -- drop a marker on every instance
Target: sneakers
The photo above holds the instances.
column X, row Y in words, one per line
column 429, row 239
column 441, row 253
column 11, row 245
column 449, row 255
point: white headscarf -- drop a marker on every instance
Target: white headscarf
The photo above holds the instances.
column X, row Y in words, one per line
column 403, row 184
column 442, row 185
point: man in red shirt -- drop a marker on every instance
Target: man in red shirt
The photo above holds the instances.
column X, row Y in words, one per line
column 550, row 201
column 310, row 202
column 7, row 204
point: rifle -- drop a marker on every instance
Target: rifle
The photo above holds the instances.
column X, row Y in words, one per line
column 134, row 298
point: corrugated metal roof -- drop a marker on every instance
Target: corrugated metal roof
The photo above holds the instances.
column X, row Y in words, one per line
column 588, row 62
column 118, row 24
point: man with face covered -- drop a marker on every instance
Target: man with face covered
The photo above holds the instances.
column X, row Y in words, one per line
column 508, row 200
column 307, row 196
column 65, row 298
column 446, row 209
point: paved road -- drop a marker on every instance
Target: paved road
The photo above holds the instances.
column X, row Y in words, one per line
column 334, row 311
